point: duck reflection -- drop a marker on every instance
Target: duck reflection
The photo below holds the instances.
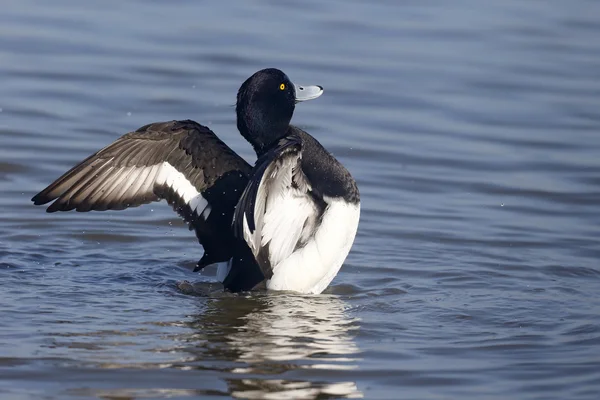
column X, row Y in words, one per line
column 266, row 336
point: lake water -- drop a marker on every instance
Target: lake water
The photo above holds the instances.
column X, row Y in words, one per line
column 472, row 128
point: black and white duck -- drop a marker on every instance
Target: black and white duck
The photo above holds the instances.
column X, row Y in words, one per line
column 287, row 223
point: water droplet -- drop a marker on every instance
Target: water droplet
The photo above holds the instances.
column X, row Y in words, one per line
column 501, row 204
column 129, row 113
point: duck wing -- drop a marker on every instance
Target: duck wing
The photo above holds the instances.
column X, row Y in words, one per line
column 180, row 161
column 278, row 211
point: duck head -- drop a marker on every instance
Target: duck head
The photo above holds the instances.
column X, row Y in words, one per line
column 265, row 105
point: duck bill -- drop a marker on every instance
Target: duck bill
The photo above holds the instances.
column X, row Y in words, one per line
column 304, row 93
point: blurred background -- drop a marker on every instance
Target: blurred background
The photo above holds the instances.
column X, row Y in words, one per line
column 471, row 127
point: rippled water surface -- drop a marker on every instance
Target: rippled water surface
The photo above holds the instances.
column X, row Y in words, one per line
column 472, row 128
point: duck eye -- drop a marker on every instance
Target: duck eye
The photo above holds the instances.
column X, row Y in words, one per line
column 282, row 86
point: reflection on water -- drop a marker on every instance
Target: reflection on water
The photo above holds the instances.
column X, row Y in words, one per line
column 275, row 334
column 265, row 345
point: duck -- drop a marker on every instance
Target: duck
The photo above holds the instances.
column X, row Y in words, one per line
column 286, row 223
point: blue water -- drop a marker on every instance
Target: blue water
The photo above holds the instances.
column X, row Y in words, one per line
column 472, row 130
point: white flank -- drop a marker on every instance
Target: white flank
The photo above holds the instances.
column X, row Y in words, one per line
column 311, row 268
column 171, row 177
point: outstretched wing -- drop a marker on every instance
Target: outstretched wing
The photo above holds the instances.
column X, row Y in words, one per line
column 278, row 211
column 180, row 161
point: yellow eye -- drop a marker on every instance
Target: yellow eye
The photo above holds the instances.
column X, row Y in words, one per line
column 282, row 86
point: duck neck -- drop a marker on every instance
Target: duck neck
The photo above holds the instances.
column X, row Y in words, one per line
column 260, row 128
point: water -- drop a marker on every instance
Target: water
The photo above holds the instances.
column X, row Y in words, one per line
column 471, row 128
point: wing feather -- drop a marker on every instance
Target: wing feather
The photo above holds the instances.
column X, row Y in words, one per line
column 277, row 210
column 180, row 161
column 127, row 172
